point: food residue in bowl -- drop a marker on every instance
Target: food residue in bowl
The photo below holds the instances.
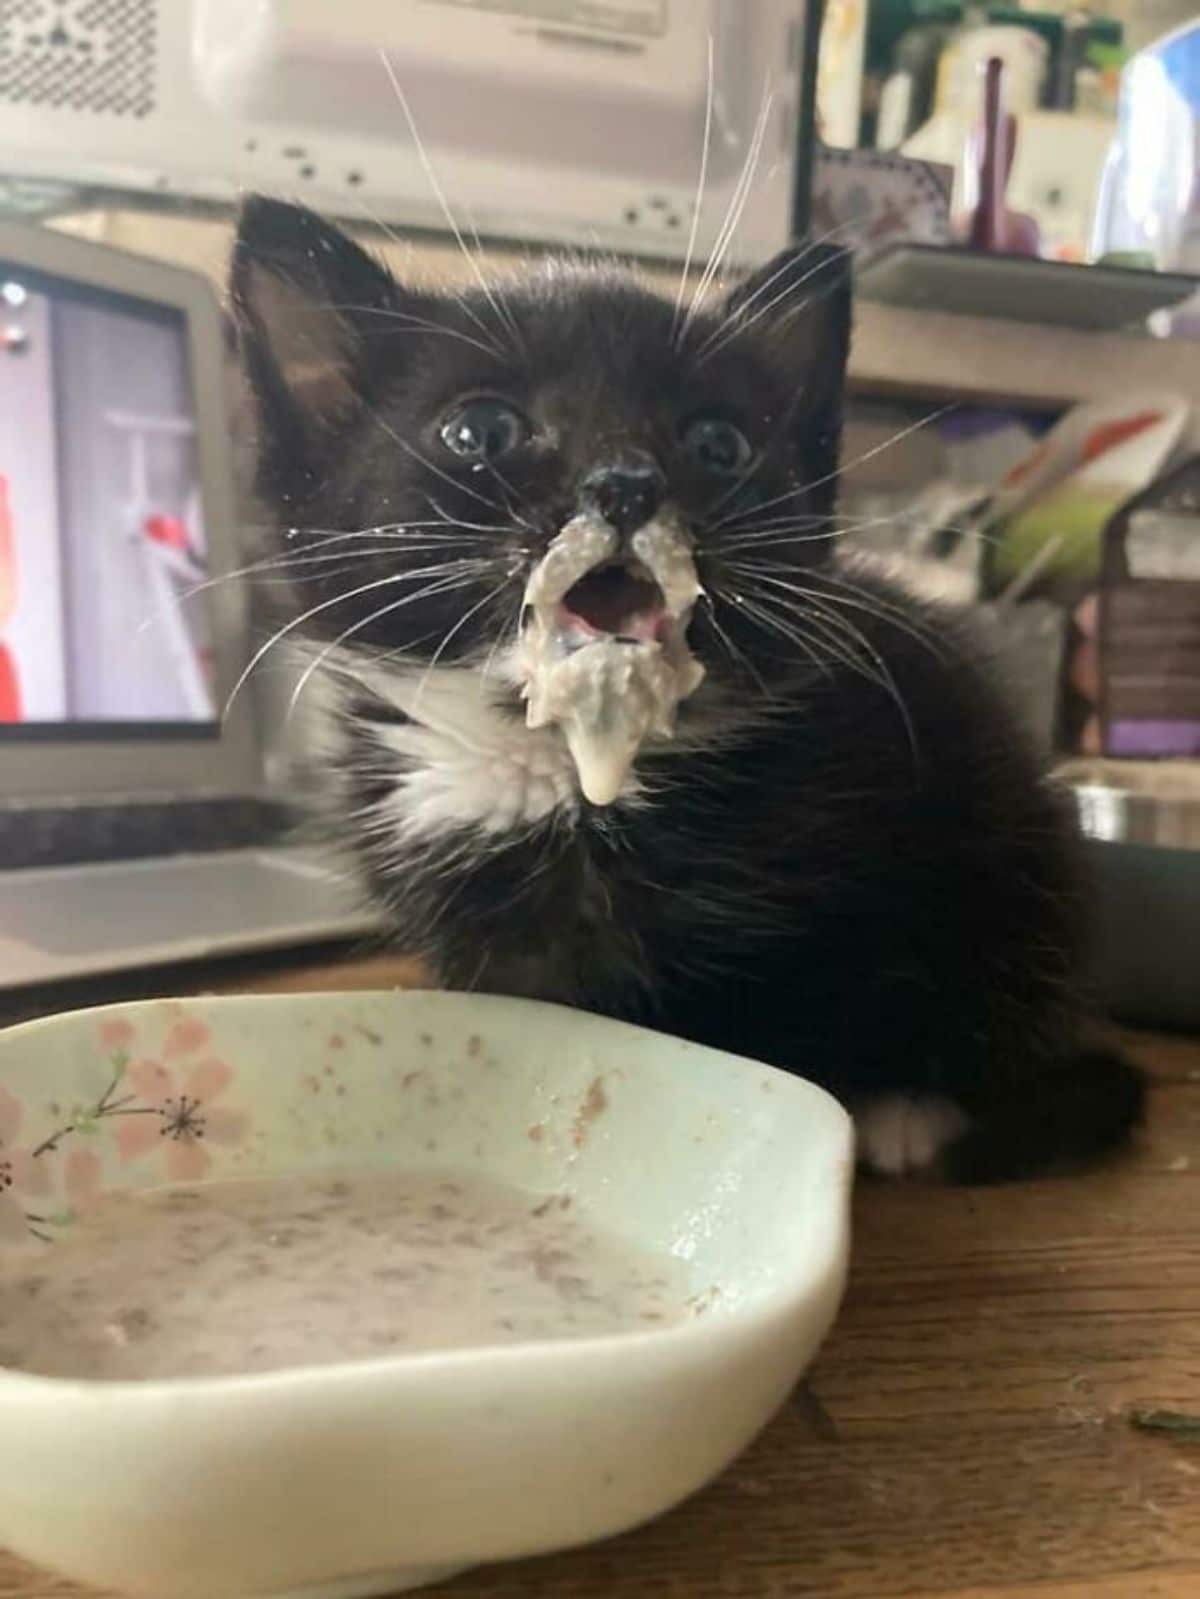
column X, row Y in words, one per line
column 218, row 1279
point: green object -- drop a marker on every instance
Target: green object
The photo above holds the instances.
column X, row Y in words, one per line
column 1135, row 260
column 1179, row 1422
column 1071, row 518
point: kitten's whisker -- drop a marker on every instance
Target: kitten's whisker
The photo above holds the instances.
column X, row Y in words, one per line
column 287, row 562
column 698, row 204
column 733, row 217
column 767, row 619
column 737, row 656
column 859, row 599
column 286, row 577
column 398, row 531
column 782, row 532
column 506, row 326
column 298, row 621
column 402, row 244
column 734, row 489
column 734, row 323
column 439, row 586
column 290, row 626
column 883, row 671
column 499, row 528
column 782, row 537
column 490, row 658
column 813, row 611
column 455, row 630
column 846, row 466
column 830, row 638
column 512, row 497
column 431, row 466
column 732, row 317
column 502, row 305
column 742, row 325
column 878, row 449
column 444, row 518
column 798, row 521
column 732, row 214
column 418, row 324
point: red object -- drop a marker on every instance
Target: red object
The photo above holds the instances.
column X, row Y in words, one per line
column 1114, row 433
column 10, row 689
column 992, row 226
column 1021, row 471
column 168, row 530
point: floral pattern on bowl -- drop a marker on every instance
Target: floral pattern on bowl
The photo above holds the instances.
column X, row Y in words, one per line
column 408, row 1467
column 151, row 1098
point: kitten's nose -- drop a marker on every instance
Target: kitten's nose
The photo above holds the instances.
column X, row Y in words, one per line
column 626, row 492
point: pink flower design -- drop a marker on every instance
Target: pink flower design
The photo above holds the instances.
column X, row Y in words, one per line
column 178, row 1115
column 20, row 1173
column 185, row 1037
column 116, row 1034
column 29, row 1174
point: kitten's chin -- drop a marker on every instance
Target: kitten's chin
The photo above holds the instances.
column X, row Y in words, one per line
column 604, row 654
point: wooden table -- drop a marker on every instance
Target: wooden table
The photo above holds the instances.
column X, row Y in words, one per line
column 965, row 1431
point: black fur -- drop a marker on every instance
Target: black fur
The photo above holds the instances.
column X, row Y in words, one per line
column 854, row 871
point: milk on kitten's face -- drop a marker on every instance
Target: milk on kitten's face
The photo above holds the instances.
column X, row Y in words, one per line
column 468, row 454
column 609, row 687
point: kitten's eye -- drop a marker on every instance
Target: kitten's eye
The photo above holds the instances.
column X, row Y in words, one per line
column 716, row 446
column 484, row 428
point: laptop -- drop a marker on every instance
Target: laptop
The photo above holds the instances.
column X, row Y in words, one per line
column 137, row 824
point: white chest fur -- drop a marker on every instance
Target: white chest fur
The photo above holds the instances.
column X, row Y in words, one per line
column 464, row 761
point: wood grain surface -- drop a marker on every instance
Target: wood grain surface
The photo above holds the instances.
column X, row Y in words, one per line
column 965, row 1431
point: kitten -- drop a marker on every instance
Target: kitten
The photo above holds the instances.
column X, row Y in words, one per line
column 840, row 860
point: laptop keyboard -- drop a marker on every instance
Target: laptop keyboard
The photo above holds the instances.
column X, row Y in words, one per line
column 72, row 835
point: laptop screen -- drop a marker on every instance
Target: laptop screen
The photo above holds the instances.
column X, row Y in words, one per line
column 104, row 629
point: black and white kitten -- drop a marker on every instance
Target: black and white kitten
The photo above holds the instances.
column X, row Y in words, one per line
column 841, row 861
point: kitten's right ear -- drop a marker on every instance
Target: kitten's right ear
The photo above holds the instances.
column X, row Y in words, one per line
column 306, row 299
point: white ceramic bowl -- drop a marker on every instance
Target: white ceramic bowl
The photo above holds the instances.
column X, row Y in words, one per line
column 370, row 1476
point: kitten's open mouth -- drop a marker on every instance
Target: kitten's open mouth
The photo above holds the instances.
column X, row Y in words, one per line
column 604, row 652
column 617, row 599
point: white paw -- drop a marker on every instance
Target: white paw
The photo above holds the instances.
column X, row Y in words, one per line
column 899, row 1136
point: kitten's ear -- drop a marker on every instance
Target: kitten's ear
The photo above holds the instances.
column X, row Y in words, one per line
column 799, row 307
column 306, row 299
column 800, row 301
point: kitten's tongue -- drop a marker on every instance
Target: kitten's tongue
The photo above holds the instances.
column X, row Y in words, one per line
column 606, row 657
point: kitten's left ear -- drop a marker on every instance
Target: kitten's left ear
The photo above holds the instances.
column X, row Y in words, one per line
column 309, row 307
column 800, row 302
column 798, row 309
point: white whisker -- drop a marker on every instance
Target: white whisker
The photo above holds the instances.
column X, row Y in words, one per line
column 732, row 216
column 456, row 629
column 768, row 619
column 506, row 325
column 846, row 466
column 788, row 265
column 814, row 613
column 440, row 586
column 502, row 305
column 315, row 610
column 418, row 324
column 736, row 655
column 698, row 205
column 431, row 466
column 742, row 325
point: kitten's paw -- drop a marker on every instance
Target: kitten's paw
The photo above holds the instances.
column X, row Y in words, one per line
column 902, row 1135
